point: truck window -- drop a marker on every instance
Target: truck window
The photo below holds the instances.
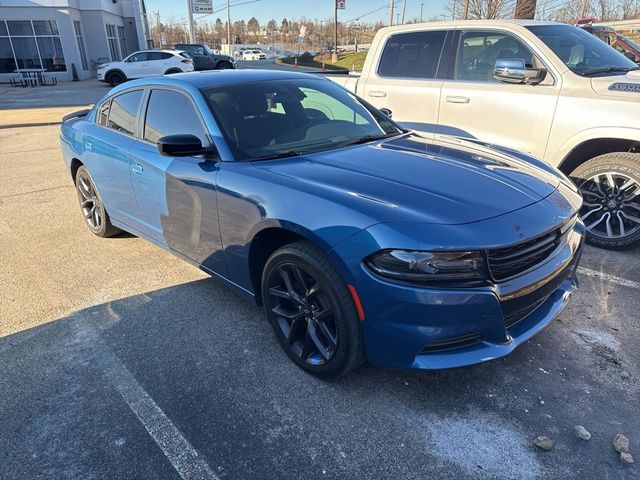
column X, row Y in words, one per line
column 479, row 50
column 412, row 55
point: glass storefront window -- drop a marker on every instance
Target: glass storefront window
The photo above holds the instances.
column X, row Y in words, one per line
column 30, row 44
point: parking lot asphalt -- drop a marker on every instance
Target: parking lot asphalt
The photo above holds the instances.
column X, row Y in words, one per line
column 117, row 360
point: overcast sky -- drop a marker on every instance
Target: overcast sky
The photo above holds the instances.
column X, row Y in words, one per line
column 264, row 10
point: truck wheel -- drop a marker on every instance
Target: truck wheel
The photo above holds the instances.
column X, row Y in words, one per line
column 224, row 66
column 610, row 187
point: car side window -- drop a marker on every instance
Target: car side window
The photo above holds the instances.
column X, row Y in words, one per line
column 172, row 113
column 124, row 111
column 154, row 56
column 138, row 57
column 103, row 113
column 479, row 50
column 412, row 55
column 165, row 55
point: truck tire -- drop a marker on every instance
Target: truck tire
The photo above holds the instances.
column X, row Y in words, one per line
column 610, row 187
column 224, row 66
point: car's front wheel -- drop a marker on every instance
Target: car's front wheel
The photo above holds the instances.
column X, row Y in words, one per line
column 92, row 207
column 115, row 78
column 610, row 187
column 311, row 311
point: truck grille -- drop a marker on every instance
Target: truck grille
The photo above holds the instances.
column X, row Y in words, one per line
column 507, row 262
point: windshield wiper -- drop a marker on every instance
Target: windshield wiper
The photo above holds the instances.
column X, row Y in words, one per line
column 608, row 70
column 368, row 138
column 288, row 153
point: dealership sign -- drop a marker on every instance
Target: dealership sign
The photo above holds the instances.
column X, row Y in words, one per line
column 341, row 4
column 202, row 6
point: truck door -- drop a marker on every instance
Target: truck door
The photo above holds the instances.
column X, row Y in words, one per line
column 473, row 104
column 405, row 79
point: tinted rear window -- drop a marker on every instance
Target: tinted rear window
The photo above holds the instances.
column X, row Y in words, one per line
column 123, row 111
column 412, row 55
column 171, row 113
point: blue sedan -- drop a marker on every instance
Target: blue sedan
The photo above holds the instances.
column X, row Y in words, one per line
column 362, row 240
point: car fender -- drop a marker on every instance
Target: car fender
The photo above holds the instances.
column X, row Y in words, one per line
column 556, row 157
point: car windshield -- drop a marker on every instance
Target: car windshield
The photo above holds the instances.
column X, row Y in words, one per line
column 270, row 119
column 581, row 51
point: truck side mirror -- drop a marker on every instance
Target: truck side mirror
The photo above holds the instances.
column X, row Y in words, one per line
column 514, row 70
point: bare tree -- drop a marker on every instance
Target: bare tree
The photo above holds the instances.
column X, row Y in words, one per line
column 482, row 9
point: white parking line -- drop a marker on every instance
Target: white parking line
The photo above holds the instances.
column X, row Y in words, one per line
column 609, row 278
column 174, row 445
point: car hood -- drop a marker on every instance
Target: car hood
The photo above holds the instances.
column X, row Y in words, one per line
column 410, row 178
column 626, row 86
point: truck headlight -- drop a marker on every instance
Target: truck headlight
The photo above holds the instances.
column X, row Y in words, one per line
column 415, row 266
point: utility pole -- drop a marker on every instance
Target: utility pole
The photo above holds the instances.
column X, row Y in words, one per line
column 404, row 9
column 465, row 15
column 334, row 55
column 421, row 10
column 156, row 13
column 322, row 44
column 192, row 31
column 397, row 19
column 229, row 29
column 583, row 9
column 391, row 13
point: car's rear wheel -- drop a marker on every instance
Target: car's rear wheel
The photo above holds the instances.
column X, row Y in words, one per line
column 311, row 311
column 115, row 78
column 224, row 66
column 610, row 187
column 92, row 207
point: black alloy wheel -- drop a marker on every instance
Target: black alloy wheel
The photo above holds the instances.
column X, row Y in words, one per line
column 311, row 311
column 93, row 211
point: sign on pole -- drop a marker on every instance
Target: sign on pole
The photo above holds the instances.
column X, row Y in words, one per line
column 303, row 30
column 202, row 6
column 341, row 4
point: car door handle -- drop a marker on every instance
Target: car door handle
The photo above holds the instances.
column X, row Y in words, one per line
column 377, row 93
column 457, row 99
column 137, row 168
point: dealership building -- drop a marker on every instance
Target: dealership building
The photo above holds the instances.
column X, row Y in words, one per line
column 65, row 35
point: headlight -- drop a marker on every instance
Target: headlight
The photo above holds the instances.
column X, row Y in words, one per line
column 101, row 67
column 429, row 267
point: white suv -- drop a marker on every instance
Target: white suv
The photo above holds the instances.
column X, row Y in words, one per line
column 253, row 55
column 145, row 63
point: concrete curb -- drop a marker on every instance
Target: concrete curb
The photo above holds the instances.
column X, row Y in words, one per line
column 24, row 125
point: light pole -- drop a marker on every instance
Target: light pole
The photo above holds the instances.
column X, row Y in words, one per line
column 404, row 9
column 391, row 13
column 322, row 45
column 192, row 32
column 229, row 29
column 334, row 55
column 421, row 10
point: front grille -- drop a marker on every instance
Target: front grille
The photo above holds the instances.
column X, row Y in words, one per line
column 513, row 316
column 452, row 343
column 508, row 262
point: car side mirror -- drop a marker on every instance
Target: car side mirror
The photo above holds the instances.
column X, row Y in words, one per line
column 387, row 112
column 514, row 70
column 181, row 146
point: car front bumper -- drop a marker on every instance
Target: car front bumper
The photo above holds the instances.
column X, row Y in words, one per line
column 410, row 327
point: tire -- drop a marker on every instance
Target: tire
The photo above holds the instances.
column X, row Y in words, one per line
column 115, row 78
column 92, row 207
column 326, row 316
column 610, row 212
column 172, row 71
column 224, row 66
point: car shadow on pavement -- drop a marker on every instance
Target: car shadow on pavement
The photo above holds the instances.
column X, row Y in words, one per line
column 209, row 361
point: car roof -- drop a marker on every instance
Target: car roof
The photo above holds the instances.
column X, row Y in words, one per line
column 469, row 23
column 215, row 78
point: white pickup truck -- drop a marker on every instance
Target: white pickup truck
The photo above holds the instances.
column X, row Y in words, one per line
column 547, row 89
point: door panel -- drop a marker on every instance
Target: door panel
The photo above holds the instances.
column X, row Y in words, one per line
column 177, row 195
column 106, row 145
column 475, row 105
column 137, row 65
column 406, row 79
